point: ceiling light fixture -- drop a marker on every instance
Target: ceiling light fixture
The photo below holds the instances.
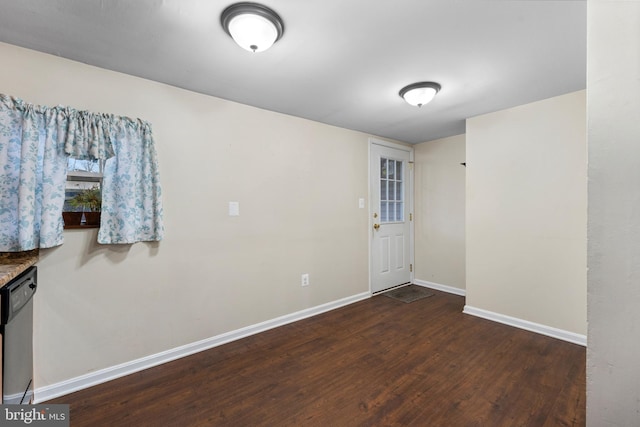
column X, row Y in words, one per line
column 419, row 94
column 253, row 26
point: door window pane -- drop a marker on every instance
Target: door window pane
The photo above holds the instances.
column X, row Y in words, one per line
column 383, row 212
column 399, row 211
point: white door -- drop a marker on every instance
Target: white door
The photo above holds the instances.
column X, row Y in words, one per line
column 390, row 217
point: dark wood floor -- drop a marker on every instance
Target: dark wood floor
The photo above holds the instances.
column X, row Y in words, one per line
column 378, row 362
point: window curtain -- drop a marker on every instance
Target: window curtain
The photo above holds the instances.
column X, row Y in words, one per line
column 131, row 193
column 35, row 142
column 33, row 170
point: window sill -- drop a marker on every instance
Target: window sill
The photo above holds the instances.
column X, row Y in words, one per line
column 77, row 227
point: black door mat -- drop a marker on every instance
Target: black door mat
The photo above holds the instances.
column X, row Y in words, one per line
column 409, row 293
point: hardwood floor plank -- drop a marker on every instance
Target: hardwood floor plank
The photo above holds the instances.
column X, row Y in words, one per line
column 378, row 362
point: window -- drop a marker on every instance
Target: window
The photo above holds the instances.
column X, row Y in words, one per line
column 391, row 191
column 82, row 175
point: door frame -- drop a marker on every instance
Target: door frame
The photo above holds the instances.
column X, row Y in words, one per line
column 409, row 191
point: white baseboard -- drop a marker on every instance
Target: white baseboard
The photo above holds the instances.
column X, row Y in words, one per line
column 62, row 388
column 529, row 326
column 439, row 287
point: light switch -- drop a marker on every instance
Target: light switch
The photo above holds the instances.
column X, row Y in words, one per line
column 361, row 203
column 234, row 208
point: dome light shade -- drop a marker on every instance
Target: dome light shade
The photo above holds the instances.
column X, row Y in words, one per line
column 252, row 26
column 419, row 94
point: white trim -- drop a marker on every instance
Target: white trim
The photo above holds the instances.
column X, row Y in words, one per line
column 412, row 215
column 370, row 214
column 526, row 325
column 62, row 388
column 508, row 320
column 390, row 144
column 439, row 287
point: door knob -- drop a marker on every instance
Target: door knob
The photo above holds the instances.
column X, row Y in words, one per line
column 376, row 226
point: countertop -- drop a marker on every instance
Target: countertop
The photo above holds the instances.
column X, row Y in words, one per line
column 14, row 263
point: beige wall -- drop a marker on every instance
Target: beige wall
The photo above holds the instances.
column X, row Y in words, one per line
column 613, row 67
column 298, row 184
column 526, row 212
column 439, row 212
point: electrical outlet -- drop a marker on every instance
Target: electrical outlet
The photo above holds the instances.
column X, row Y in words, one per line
column 304, row 281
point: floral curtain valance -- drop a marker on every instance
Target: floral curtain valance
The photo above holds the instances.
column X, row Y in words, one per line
column 35, row 142
column 87, row 135
column 83, row 134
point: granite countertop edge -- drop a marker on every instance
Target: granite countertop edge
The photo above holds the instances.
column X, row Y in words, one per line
column 14, row 263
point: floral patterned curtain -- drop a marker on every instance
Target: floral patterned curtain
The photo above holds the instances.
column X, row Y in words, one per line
column 131, row 194
column 35, row 142
column 33, row 170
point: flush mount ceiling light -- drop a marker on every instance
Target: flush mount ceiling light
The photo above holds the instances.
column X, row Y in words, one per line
column 419, row 94
column 253, row 26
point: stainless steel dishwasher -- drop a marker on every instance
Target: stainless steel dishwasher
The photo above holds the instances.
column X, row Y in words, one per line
column 16, row 325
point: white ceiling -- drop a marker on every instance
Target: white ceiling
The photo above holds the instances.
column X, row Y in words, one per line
column 340, row 62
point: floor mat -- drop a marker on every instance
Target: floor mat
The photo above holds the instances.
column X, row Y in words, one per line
column 409, row 293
